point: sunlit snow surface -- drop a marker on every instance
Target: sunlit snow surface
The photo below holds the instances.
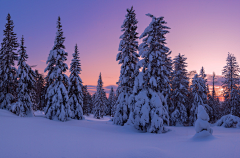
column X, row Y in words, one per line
column 39, row 137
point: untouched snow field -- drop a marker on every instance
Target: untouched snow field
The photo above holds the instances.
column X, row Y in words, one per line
column 38, row 137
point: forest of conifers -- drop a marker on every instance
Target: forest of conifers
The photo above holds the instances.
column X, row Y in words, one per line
column 154, row 90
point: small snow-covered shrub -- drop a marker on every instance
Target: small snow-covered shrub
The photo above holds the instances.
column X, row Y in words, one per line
column 229, row 121
column 202, row 122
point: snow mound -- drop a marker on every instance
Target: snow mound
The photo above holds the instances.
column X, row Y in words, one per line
column 39, row 114
column 91, row 117
column 229, row 121
column 204, row 135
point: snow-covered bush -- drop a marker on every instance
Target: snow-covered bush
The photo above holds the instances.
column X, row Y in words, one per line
column 202, row 123
column 229, row 121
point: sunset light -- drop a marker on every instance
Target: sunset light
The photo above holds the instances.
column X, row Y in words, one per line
column 119, row 79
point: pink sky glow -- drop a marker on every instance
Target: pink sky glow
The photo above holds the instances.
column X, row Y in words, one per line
column 205, row 31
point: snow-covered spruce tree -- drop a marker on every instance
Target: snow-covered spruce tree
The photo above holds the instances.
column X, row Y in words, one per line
column 154, row 48
column 93, row 100
column 8, row 56
column 26, row 83
column 111, row 102
column 231, row 76
column 150, row 111
column 128, row 57
column 87, row 101
column 33, row 92
column 114, row 107
column 40, row 90
column 75, row 93
column 198, row 88
column 180, row 85
column 213, row 102
column 100, row 100
column 204, row 77
column 57, row 94
column 106, row 102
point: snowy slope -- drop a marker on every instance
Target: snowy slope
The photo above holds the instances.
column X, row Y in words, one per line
column 39, row 137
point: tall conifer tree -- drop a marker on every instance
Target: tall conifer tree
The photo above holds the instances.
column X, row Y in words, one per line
column 230, row 87
column 213, row 102
column 57, row 95
column 198, row 90
column 111, row 102
column 128, row 57
column 87, row 101
column 100, row 100
column 40, row 90
column 150, row 94
column 26, row 83
column 75, row 88
column 180, row 91
column 8, row 56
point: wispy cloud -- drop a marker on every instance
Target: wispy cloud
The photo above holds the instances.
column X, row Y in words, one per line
column 43, row 61
column 92, row 88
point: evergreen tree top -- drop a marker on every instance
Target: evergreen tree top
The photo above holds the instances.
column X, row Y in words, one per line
column 231, row 73
column 156, row 63
column 22, row 52
column 180, row 63
column 75, row 64
column 9, row 44
column 9, row 26
column 57, row 56
column 23, row 68
column 156, row 29
column 128, row 55
column 128, row 45
column 130, row 21
column 202, row 73
column 111, row 93
column 100, row 83
column 58, row 43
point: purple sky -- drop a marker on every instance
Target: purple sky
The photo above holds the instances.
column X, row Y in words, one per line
column 205, row 31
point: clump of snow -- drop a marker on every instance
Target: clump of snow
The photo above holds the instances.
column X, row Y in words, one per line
column 202, row 124
column 229, row 121
column 203, row 136
column 39, row 113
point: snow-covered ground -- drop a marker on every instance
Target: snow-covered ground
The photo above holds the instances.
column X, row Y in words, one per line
column 39, row 137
